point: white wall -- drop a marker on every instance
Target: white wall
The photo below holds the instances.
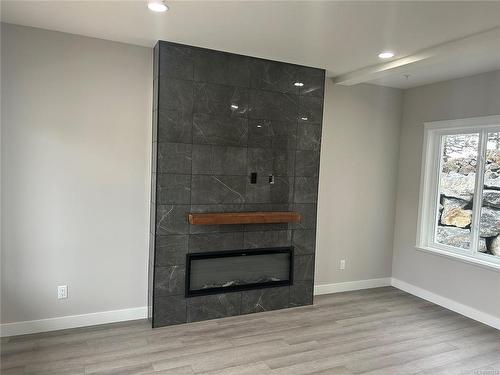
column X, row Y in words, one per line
column 358, row 176
column 76, row 136
column 76, row 130
column 75, row 176
column 75, row 155
column 466, row 284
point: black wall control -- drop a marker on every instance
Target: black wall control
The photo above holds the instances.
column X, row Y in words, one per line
column 253, row 178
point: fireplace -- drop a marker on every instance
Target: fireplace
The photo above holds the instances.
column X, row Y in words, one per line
column 235, row 270
column 219, row 119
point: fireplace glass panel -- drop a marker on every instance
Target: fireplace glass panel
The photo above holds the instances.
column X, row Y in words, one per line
column 210, row 273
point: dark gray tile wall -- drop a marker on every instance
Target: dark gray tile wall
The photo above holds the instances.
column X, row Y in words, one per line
column 217, row 117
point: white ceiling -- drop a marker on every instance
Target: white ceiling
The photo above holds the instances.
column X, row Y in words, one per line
column 342, row 37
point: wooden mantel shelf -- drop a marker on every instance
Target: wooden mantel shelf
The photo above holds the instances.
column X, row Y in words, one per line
column 269, row 217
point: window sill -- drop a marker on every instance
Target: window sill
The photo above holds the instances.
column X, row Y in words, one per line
column 462, row 258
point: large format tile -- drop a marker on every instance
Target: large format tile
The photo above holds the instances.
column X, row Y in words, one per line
column 174, row 158
column 151, row 265
column 306, row 190
column 267, row 161
column 272, row 134
column 269, row 105
column 175, row 94
column 274, row 76
column 303, row 267
column 219, row 117
column 171, row 250
column 214, row 306
column 279, row 238
column 151, row 259
column 311, row 108
column 206, row 242
column 301, row 293
column 156, row 63
column 219, row 160
column 154, row 157
column 220, row 100
column 153, row 187
column 307, row 163
column 152, row 218
column 169, row 280
column 174, row 126
column 308, row 214
column 218, row 189
column 222, row 68
column 253, row 301
column 171, row 219
column 304, row 241
column 286, row 206
column 313, row 80
column 266, row 227
column 264, row 192
column 173, row 188
column 169, row 310
column 308, row 136
column 222, row 131
column 155, row 125
column 156, row 84
column 176, row 61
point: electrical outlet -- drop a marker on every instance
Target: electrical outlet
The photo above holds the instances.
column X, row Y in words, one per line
column 342, row 264
column 62, row 292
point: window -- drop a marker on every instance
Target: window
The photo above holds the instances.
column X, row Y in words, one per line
column 459, row 213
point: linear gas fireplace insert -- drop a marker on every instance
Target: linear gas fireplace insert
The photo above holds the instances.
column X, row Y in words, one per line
column 226, row 271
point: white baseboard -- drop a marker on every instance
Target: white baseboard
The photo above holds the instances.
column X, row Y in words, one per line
column 351, row 285
column 72, row 321
column 104, row 317
column 450, row 304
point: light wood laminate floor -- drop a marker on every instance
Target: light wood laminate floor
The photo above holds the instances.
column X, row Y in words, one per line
column 376, row 331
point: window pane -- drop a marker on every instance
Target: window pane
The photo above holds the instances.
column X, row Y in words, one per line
column 489, row 224
column 456, row 190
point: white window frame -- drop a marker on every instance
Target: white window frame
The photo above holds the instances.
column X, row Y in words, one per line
column 429, row 187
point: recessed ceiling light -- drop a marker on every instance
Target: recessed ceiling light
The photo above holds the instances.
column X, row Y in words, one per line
column 157, row 6
column 234, row 106
column 304, row 118
column 298, row 84
column 386, row 55
column 259, row 126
